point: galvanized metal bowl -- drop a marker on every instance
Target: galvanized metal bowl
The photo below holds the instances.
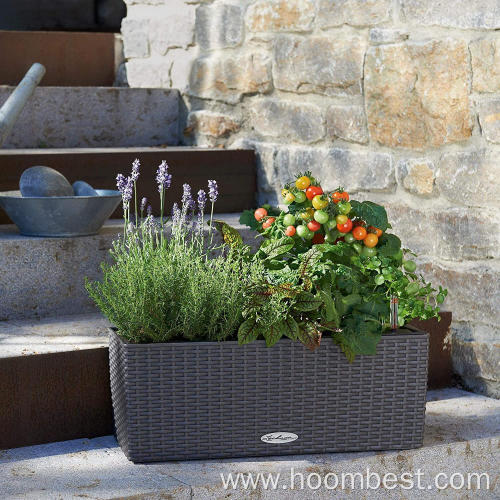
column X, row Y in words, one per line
column 59, row 216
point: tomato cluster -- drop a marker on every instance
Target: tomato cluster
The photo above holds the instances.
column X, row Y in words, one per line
column 320, row 217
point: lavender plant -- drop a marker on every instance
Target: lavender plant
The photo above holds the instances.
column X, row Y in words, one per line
column 167, row 279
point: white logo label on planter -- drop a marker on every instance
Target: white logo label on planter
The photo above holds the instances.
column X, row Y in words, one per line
column 279, row 437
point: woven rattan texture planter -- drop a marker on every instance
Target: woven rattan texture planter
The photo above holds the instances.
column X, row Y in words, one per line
column 198, row 400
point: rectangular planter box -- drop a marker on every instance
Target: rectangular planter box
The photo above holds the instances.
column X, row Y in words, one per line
column 201, row 400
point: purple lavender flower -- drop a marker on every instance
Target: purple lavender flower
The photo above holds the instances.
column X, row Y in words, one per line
column 202, row 200
column 144, row 202
column 149, row 210
column 121, row 182
column 127, row 192
column 187, row 199
column 213, row 191
column 163, row 178
column 136, row 164
column 130, row 227
column 150, row 223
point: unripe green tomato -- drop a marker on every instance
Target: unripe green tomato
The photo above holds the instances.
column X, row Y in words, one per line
column 309, row 235
column 358, row 247
column 379, row 279
column 399, row 256
column 266, row 206
column 300, row 197
column 321, row 216
column 344, row 207
column 329, row 238
column 369, row 252
column 349, row 238
column 331, row 224
column 341, row 219
column 409, row 266
column 303, row 231
column 412, row 288
column 289, row 220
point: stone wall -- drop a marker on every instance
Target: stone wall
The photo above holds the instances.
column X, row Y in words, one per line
column 397, row 100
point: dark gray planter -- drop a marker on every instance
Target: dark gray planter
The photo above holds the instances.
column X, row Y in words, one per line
column 200, row 400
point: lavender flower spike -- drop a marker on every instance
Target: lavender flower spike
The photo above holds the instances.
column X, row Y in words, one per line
column 187, row 199
column 149, row 210
column 163, row 178
column 136, row 164
column 144, row 202
column 202, row 200
column 121, row 182
column 127, row 191
column 213, row 191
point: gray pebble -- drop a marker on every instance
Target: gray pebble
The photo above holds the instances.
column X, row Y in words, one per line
column 44, row 181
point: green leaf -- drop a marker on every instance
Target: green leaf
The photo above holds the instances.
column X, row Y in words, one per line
column 278, row 247
column 309, row 335
column 359, row 337
column 273, row 334
column 388, row 245
column 331, row 315
column 290, row 328
column 374, row 308
column 308, row 260
column 248, row 331
column 247, row 219
column 373, row 214
column 306, row 301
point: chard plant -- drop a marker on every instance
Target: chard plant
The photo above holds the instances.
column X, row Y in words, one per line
column 167, row 280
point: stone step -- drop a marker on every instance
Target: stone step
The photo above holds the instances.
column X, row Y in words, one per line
column 461, row 437
column 86, row 117
column 234, row 171
column 71, row 58
column 43, row 277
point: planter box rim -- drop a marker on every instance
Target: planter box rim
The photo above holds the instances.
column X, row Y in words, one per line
column 406, row 331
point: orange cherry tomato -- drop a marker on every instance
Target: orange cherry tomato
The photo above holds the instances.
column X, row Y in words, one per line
column 290, row 231
column 340, row 196
column 359, row 233
column 371, row 240
column 260, row 213
column 269, row 222
column 318, row 238
column 313, row 191
column 345, row 228
column 375, row 230
column 313, row 226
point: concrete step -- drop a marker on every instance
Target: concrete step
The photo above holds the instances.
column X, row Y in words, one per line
column 43, row 277
column 234, row 171
column 72, row 59
column 461, row 437
column 86, row 117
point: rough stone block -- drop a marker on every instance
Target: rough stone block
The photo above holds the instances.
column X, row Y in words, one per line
column 219, row 26
column 473, row 288
column 411, row 99
column 227, row 78
column 333, row 13
column 280, row 15
column 476, row 356
column 466, row 14
column 153, row 72
column 485, row 57
column 72, row 117
column 318, row 64
column 380, row 36
column 295, row 121
column 451, row 234
column 469, row 178
column 417, row 175
column 347, row 122
column 489, row 119
column 135, row 37
column 211, row 123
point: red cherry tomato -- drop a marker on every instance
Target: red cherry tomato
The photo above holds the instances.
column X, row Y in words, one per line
column 345, row 228
column 290, row 231
column 268, row 223
column 359, row 233
column 375, row 230
column 318, row 238
column 260, row 213
column 313, row 191
column 313, row 226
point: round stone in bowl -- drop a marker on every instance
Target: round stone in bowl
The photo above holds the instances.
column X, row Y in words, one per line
column 44, row 181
